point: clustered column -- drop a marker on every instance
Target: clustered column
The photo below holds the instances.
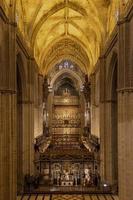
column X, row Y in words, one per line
column 7, row 145
column 125, row 144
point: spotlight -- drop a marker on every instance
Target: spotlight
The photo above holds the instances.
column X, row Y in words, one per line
column 105, row 185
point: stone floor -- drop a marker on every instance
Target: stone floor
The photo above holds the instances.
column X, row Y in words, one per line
column 68, row 197
column 71, row 190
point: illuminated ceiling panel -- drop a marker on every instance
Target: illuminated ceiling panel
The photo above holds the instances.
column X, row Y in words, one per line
column 48, row 25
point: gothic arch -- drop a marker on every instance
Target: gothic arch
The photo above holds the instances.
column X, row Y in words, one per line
column 111, row 71
column 112, row 119
column 22, row 75
column 21, row 93
column 66, row 56
column 68, row 71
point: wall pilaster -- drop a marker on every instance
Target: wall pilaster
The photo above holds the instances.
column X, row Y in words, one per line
column 125, row 107
column 38, row 109
column 29, row 108
column 28, row 138
column 7, row 145
column 8, row 141
column 110, row 143
column 125, row 144
column 102, row 118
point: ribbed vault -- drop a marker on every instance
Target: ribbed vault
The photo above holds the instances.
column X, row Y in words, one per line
column 65, row 48
column 86, row 23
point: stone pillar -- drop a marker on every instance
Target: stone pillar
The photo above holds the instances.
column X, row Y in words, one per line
column 102, row 118
column 30, row 112
column 125, row 108
column 7, row 145
column 125, row 144
column 82, row 111
column 8, row 141
column 38, row 110
column 50, row 110
column 110, row 143
column 27, row 123
column 92, row 108
column 28, row 137
column 40, row 103
column 102, row 141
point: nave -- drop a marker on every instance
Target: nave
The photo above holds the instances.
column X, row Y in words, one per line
column 69, row 197
column 66, row 99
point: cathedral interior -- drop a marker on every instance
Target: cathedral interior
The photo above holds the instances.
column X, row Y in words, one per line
column 66, row 100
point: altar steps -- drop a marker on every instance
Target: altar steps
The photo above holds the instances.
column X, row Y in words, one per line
column 68, row 197
column 34, row 197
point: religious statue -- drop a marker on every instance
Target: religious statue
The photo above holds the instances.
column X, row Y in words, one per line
column 87, row 176
column 87, row 89
column 66, row 176
column 66, row 92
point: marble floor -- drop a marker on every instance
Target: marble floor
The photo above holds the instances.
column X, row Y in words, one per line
column 68, row 197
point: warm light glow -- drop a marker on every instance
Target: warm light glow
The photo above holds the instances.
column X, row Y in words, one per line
column 66, row 100
column 87, row 23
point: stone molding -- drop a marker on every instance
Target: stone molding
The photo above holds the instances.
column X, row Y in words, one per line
column 113, row 38
column 23, row 47
column 127, row 15
column 108, row 101
column 123, row 90
column 26, row 102
column 110, row 44
column 8, row 91
column 4, row 17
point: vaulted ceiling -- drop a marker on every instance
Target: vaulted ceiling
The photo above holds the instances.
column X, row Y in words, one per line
column 58, row 29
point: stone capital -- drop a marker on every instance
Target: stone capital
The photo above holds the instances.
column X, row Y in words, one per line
column 7, row 91
column 127, row 89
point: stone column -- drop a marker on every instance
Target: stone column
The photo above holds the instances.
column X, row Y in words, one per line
column 125, row 144
column 50, row 110
column 7, row 145
column 27, row 124
column 7, row 109
column 28, row 137
column 30, row 111
column 125, row 107
column 102, row 117
column 110, row 143
column 82, row 112
column 92, row 108
column 102, row 140
column 38, row 109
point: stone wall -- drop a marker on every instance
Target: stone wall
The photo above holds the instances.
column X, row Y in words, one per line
column 26, row 72
column 125, row 107
column 115, row 72
column 38, row 114
column 95, row 105
column 21, row 107
column 7, row 109
column 18, row 72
